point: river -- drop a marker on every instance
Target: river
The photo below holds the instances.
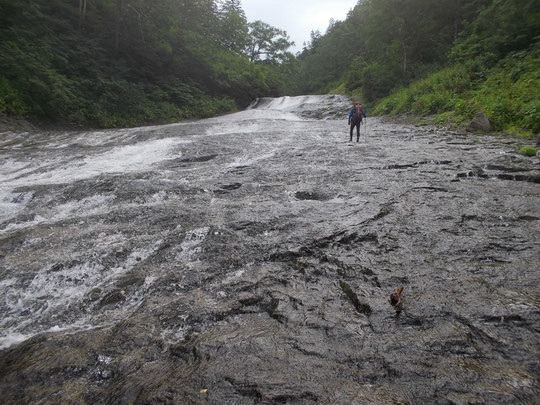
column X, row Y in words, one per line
column 250, row 258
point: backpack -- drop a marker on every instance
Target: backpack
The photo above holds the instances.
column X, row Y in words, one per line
column 358, row 112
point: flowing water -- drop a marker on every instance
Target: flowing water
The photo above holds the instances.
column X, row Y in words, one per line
column 250, row 258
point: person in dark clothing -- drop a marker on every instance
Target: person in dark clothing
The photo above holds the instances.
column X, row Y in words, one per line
column 355, row 119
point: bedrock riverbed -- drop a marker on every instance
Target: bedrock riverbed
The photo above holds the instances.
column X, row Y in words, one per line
column 249, row 259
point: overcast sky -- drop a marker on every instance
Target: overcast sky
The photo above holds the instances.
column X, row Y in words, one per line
column 298, row 17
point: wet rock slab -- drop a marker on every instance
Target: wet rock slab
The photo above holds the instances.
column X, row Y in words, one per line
column 249, row 259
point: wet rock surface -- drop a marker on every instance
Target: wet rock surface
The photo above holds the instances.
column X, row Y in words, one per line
column 249, row 259
column 480, row 123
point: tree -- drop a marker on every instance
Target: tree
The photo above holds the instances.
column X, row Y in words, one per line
column 132, row 61
column 501, row 27
column 234, row 28
column 82, row 12
column 267, row 43
column 401, row 39
column 315, row 38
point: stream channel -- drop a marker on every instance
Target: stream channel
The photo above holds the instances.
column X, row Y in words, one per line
column 249, row 259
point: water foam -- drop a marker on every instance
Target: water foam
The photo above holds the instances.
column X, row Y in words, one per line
column 298, row 103
column 138, row 157
column 52, row 292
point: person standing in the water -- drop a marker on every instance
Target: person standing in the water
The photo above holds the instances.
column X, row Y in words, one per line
column 355, row 119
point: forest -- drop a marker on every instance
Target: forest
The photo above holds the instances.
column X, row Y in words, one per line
column 446, row 59
column 112, row 63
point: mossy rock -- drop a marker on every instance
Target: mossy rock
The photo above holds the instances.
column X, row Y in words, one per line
column 527, row 151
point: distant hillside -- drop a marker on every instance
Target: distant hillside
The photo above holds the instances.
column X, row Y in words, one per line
column 111, row 63
column 452, row 58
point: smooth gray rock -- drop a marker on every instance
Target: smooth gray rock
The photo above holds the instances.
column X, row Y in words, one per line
column 479, row 123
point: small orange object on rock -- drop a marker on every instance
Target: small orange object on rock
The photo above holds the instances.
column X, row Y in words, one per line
column 395, row 299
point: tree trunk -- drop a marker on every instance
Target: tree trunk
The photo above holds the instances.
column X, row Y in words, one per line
column 118, row 24
column 404, row 58
column 82, row 12
column 456, row 20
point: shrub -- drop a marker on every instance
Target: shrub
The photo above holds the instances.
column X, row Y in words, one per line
column 10, row 100
column 436, row 93
column 527, row 151
column 507, row 93
column 378, row 80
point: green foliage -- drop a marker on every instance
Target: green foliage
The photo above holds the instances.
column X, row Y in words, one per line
column 448, row 59
column 234, row 29
column 382, row 45
column 508, row 93
column 11, row 102
column 527, row 151
column 500, row 28
column 378, row 80
column 354, row 77
column 267, row 43
column 126, row 63
column 340, row 89
column 435, row 94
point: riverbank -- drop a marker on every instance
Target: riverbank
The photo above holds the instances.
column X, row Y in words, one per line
column 507, row 94
column 11, row 124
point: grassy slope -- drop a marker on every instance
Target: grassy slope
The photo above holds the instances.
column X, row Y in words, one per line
column 509, row 94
